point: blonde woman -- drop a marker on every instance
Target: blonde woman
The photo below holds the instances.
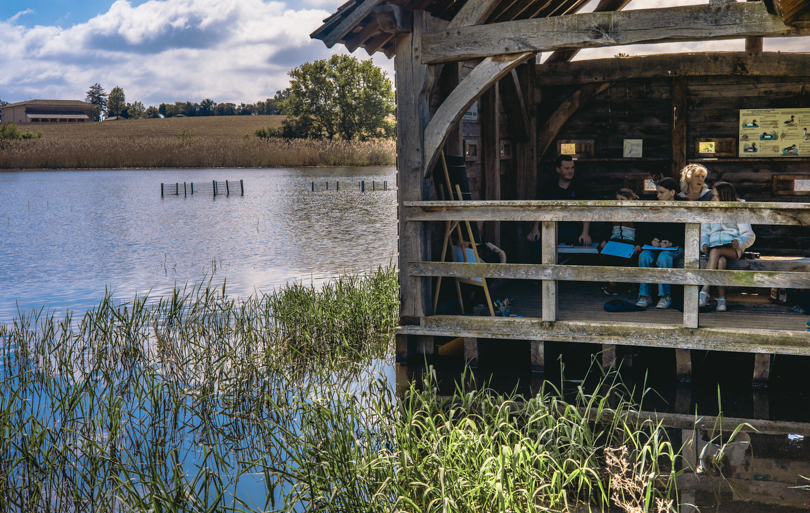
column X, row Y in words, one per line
column 693, row 183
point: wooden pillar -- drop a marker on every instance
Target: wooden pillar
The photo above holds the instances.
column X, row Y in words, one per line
column 425, row 345
column 753, row 44
column 549, row 257
column 538, row 357
column 691, row 293
column 679, row 108
column 608, row 357
column 451, row 76
column 762, row 369
column 471, row 352
column 490, row 113
column 414, row 81
column 525, row 152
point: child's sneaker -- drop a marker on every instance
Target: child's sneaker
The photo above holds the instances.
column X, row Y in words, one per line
column 643, row 301
column 664, row 302
column 721, row 304
column 610, row 289
column 703, row 299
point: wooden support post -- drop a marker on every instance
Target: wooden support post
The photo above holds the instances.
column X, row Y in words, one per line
column 337, row 186
column 762, row 369
column 402, row 348
column 227, row 189
column 414, row 82
column 425, row 345
column 549, row 257
column 177, row 189
column 403, row 379
column 161, row 190
column 679, row 108
column 490, row 144
column 241, row 185
column 538, row 357
column 525, row 153
column 690, row 453
column 471, row 352
column 363, row 186
column 313, row 186
column 215, row 188
column 691, row 311
column 753, row 44
column 683, row 398
column 192, row 188
column 761, row 405
column 683, row 365
column 608, row 357
column 185, row 190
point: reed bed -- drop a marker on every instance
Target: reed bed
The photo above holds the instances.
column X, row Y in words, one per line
column 189, row 150
column 201, row 403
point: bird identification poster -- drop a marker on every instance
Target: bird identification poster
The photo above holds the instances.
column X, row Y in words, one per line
column 774, row 133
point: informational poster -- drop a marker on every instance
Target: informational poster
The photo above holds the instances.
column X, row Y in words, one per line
column 774, row 133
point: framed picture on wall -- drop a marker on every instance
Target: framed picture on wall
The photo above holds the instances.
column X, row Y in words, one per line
column 633, row 148
column 578, row 148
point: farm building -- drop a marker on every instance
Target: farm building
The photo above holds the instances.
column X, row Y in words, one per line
column 48, row 111
column 481, row 122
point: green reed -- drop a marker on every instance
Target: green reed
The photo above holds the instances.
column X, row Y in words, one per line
column 183, row 403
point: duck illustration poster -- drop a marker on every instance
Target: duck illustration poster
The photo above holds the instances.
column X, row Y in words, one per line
column 775, row 133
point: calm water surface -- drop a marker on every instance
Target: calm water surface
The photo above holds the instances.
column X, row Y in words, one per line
column 65, row 236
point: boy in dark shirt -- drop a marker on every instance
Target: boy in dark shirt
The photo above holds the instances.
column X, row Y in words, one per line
column 564, row 187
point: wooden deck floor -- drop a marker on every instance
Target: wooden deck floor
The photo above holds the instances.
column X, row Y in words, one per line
column 580, row 301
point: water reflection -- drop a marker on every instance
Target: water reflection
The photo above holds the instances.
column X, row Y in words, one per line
column 66, row 235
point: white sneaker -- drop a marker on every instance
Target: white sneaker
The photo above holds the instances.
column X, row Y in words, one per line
column 703, row 299
column 664, row 302
column 721, row 304
column 643, row 301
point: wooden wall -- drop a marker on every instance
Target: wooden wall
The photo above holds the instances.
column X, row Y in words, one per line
column 642, row 109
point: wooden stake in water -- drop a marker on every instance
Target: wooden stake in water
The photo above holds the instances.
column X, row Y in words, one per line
column 215, row 188
column 227, row 188
column 337, row 186
column 242, row 185
column 363, row 186
column 161, row 190
column 313, row 186
column 177, row 189
column 185, row 191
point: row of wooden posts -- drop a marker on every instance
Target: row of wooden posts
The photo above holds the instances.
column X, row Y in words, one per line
column 375, row 186
column 213, row 187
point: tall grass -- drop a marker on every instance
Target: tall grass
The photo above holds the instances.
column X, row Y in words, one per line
column 182, row 404
column 192, row 151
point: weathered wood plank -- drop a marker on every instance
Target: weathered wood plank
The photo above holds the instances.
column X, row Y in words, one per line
column 762, row 369
column 471, row 352
column 490, row 113
column 549, row 258
column 552, row 126
column 679, row 113
column 484, row 75
column 349, row 22
column 568, row 54
column 474, row 12
column 637, row 334
column 414, row 81
column 515, row 106
column 689, row 23
column 538, row 356
column 735, row 64
column 616, row 274
column 609, row 210
column 394, row 19
column 691, row 261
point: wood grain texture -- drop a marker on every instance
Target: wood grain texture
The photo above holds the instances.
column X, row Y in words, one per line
column 690, row 23
column 473, row 12
column 617, row 333
column 549, row 258
column 679, row 118
column 616, row 274
column 691, row 262
column 489, row 112
column 514, row 106
column 551, row 128
column 487, row 73
column 348, row 23
column 608, row 210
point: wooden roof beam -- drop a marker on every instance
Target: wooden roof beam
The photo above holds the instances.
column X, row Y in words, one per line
column 766, row 64
column 348, row 23
column 604, row 6
column 592, row 30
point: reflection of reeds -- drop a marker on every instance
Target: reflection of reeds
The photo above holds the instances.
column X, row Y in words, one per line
column 193, row 152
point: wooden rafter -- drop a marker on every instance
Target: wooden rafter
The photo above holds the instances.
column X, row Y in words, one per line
column 473, row 13
column 554, row 124
column 515, row 106
column 570, row 53
column 348, row 23
column 690, row 23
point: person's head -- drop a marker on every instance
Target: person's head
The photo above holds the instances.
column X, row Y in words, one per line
column 724, row 191
column 625, row 194
column 565, row 167
column 666, row 189
column 693, row 177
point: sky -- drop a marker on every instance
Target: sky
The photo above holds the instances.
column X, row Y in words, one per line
column 162, row 51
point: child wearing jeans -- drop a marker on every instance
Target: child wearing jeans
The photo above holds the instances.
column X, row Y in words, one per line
column 661, row 235
column 722, row 242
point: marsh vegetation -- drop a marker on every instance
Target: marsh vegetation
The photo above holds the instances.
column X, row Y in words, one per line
column 198, row 402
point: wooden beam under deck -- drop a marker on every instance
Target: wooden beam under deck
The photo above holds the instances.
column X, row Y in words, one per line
column 615, row 333
column 591, row 30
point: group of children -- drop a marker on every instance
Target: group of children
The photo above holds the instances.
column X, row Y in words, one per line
column 720, row 242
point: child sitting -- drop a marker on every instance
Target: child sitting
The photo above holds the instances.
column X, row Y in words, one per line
column 723, row 242
column 661, row 235
column 624, row 232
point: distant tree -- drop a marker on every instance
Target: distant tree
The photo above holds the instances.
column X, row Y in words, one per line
column 152, row 112
column 246, row 110
column 225, row 109
column 96, row 96
column 135, row 110
column 207, row 107
column 116, row 102
column 341, row 96
column 2, row 104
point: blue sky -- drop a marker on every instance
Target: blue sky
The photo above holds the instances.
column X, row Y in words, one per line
column 188, row 50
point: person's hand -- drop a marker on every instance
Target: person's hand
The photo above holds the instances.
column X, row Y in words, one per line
column 534, row 235
column 735, row 244
column 602, row 245
column 666, row 244
column 705, row 248
column 585, row 239
column 656, row 243
column 637, row 250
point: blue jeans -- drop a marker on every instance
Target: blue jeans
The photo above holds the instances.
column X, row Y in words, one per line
column 661, row 260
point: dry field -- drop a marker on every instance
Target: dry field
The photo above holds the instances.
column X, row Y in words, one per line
column 217, row 141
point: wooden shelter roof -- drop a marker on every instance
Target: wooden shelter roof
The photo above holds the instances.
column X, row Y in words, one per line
column 355, row 24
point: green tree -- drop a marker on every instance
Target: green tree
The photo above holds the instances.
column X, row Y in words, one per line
column 152, row 112
column 341, row 96
column 116, row 101
column 136, row 110
column 97, row 97
column 207, row 107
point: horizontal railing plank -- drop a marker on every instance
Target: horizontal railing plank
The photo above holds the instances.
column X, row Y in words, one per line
column 636, row 334
column 799, row 280
column 608, row 210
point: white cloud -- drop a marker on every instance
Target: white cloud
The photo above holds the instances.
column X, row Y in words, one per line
column 164, row 51
column 21, row 13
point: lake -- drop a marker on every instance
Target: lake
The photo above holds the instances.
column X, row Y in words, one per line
column 68, row 235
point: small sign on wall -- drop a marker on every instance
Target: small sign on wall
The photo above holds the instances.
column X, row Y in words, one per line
column 633, row 148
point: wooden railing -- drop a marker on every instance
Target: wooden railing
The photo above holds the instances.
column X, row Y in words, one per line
column 687, row 336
